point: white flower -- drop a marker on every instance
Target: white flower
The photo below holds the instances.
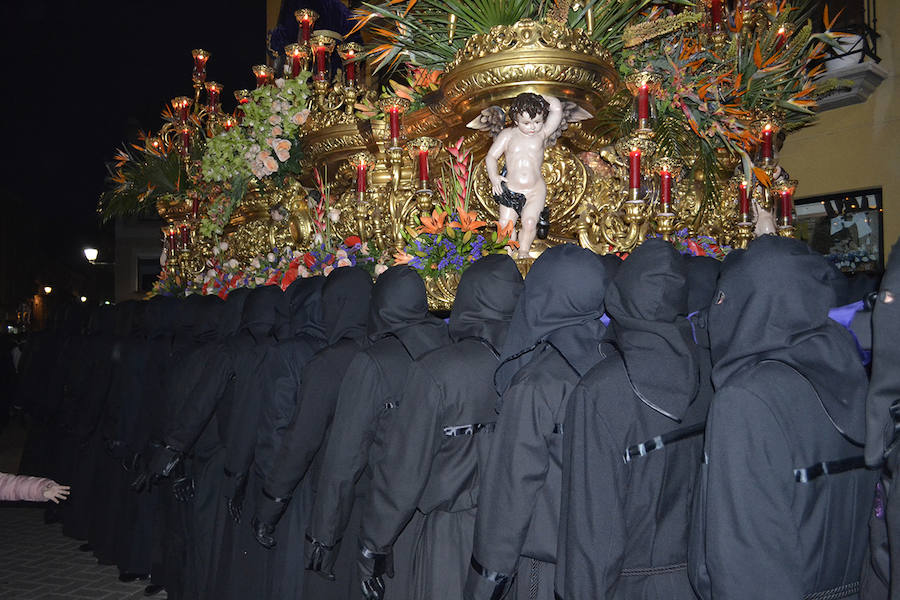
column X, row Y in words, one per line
column 276, row 106
column 364, row 248
column 344, row 262
column 279, row 83
column 232, row 264
column 317, row 239
column 270, row 257
column 334, row 214
column 254, row 263
column 162, row 258
column 223, row 246
column 211, row 274
column 260, row 280
column 327, row 270
column 341, row 253
column 302, row 271
column 379, row 269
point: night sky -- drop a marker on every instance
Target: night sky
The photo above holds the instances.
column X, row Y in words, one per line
column 82, row 78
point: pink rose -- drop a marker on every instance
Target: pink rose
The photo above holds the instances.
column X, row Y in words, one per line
column 327, row 270
column 344, row 262
column 270, row 164
column 379, row 269
column 300, row 117
column 276, row 131
column 274, row 120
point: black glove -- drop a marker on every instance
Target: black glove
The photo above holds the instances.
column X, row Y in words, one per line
column 183, row 488
column 268, row 512
column 320, row 557
column 372, row 567
column 159, row 465
column 235, row 488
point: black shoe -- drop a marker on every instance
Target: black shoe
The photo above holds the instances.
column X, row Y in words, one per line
column 86, row 547
column 153, row 589
column 129, row 577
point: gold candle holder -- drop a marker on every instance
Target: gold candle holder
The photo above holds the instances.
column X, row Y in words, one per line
column 264, row 74
column 213, row 94
column 306, row 19
column 350, row 53
column 322, row 44
column 297, row 56
column 393, row 109
column 744, row 234
column 665, row 224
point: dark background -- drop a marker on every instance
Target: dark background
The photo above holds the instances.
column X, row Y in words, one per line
column 80, row 79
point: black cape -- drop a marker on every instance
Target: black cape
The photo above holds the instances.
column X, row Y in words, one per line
column 790, row 395
column 625, row 520
column 553, row 339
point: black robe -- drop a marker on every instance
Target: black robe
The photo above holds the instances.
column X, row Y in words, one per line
column 345, row 304
column 626, row 510
column 439, row 438
column 553, row 340
column 881, row 572
column 399, row 330
column 784, row 495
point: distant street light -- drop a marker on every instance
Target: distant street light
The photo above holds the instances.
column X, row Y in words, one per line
column 47, row 289
column 84, row 298
column 91, row 254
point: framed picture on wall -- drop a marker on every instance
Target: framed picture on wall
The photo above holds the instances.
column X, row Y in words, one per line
column 846, row 228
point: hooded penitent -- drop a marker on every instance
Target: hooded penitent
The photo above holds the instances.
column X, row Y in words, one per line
column 626, row 501
column 784, row 496
column 345, row 303
column 554, row 338
column 440, row 437
column 399, row 330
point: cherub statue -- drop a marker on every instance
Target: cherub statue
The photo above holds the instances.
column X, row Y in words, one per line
column 520, row 190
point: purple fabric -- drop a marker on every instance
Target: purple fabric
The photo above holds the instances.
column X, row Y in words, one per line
column 604, row 318
column 844, row 316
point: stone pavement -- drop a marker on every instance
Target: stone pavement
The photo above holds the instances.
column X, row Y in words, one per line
column 38, row 563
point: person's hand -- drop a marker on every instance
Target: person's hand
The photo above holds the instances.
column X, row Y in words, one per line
column 320, row 557
column 55, row 492
column 235, row 495
column 264, row 532
column 372, row 567
column 497, row 184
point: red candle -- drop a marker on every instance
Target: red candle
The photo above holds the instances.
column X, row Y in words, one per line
column 780, row 38
column 423, row 165
column 394, row 113
column 715, row 11
column 185, row 140
column 787, row 206
column 195, row 207
column 212, row 94
column 181, row 105
column 320, row 61
column 305, row 30
column 665, row 190
column 295, row 64
column 634, row 175
column 228, row 124
column 262, row 78
column 644, row 103
column 745, row 202
column 171, row 243
column 185, row 236
column 361, row 178
column 351, row 72
column 767, row 142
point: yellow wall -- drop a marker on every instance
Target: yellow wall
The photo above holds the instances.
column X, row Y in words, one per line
column 857, row 146
column 272, row 9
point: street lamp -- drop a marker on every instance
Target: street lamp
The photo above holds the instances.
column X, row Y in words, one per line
column 83, row 298
column 47, row 289
column 91, row 254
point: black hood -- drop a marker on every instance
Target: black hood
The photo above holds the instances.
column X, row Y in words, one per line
column 772, row 304
column 102, row 321
column 702, row 274
column 124, row 317
column 209, row 316
column 301, row 304
column 230, row 322
column 159, row 316
column 612, row 263
column 259, row 315
column 345, row 303
column 186, row 315
column 399, row 307
column 647, row 303
column 486, row 299
column 561, row 304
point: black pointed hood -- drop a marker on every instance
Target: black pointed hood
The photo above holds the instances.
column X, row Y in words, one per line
column 561, row 303
column 300, row 305
column 400, row 308
column 772, row 304
column 702, row 274
column 124, row 317
column 612, row 263
column 647, row 303
column 209, row 317
column 259, row 314
column 345, row 303
column 159, row 316
column 230, row 322
column 486, row 299
column 186, row 315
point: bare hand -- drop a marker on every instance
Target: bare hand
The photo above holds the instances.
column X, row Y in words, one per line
column 496, row 185
column 56, row 492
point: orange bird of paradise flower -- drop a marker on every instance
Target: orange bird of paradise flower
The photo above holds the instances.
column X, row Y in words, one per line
column 434, row 223
column 468, row 221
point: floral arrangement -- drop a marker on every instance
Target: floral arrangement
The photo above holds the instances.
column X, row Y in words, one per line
column 452, row 237
column 261, row 145
column 419, row 83
column 700, row 245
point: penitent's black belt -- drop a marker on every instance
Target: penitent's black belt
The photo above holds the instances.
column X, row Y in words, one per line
column 832, row 467
column 471, row 429
column 661, row 441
